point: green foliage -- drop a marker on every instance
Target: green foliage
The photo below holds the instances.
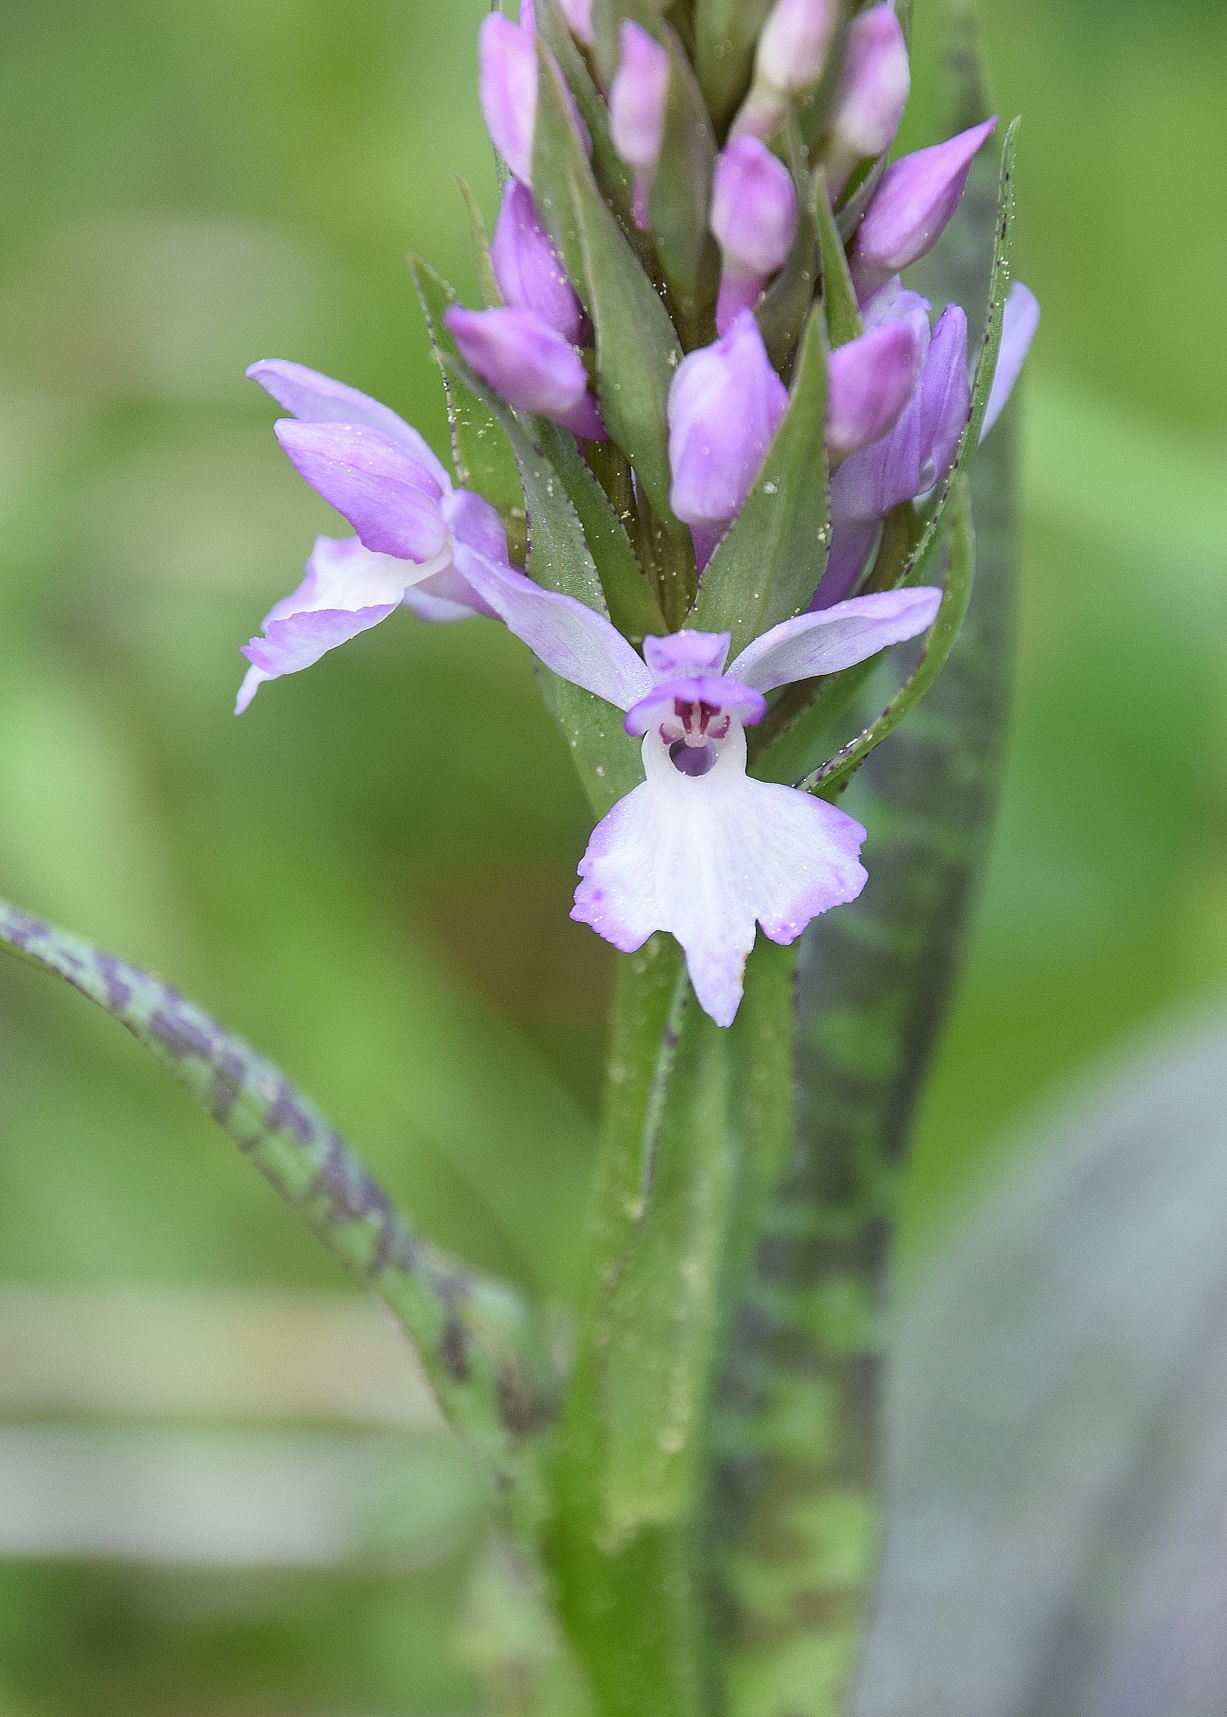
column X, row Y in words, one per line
column 472, row 1335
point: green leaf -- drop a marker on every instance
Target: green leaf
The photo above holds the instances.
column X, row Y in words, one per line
column 838, row 292
column 472, row 1333
column 613, row 175
column 725, row 35
column 605, row 756
column 634, row 1611
column 782, row 312
column 479, row 244
column 986, row 363
column 680, row 200
column 664, row 1316
column 484, row 460
column 769, row 565
column 831, row 779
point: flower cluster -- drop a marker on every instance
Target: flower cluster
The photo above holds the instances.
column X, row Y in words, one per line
column 700, row 849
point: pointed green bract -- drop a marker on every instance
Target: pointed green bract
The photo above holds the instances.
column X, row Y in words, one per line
column 769, row 565
column 838, row 292
column 479, row 244
column 473, row 1334
column 831, row 779
column 725, row 33
column 785, row 307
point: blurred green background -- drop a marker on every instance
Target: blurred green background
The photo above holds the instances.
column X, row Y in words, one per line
column 369, row 875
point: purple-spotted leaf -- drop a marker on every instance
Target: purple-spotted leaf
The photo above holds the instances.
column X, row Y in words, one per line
column 473, row 1334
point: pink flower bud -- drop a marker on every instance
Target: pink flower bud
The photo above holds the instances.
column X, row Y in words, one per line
column 637, row 101
column 793, row 46
column 911, row 207
column 754, row 217
column 872, row 93
column 792, row 51
column 529, row 363
column 526, row 266
column 871, row 380
column 508, row 62
column 578, row 14
column 725, row 406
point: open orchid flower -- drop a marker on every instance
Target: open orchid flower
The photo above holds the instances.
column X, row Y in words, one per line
column 380, row 474
column 700, row 849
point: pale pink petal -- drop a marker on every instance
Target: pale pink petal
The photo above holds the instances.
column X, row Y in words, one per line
column 835, row 638
column 315, row 398
column 705, row 857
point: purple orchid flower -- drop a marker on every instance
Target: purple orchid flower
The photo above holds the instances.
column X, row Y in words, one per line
column 379, row 472
column 912, row 206
column 701, row 849
column 919, row 451
column 725, row 405
column 507, row 59
column 638, row 98
column 872, row 94
column 530, row 363
column 578, row 15
column 528, row 270
column 754, row 218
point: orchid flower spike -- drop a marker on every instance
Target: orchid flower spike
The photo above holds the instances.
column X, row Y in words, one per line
column 527, row 268
column 725, row 405
column 911, row 207
column 380, row 474
column 754, row 218
column 637, row 105
column 700, row 849
column 792, row 52
column 872, row 94
column 530, row 363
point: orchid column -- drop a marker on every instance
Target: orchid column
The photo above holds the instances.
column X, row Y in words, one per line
column 709, row 464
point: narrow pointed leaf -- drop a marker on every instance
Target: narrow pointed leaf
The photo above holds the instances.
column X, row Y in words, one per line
column 479, row 244
column 471, row 1332
column 784, row 309
column 725, row 33
column 768, row 566
column 614, row 176
column 680, row 200
column 838, row 292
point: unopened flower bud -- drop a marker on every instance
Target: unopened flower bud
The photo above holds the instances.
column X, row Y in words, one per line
column 637, row 101
column 508, row 61
column 578, row 14
column 872, row 93
column 911, row 207
column 725, row 406
column 529, row 363
column 527, row 269
column 754, row 218
column 871, row 380
column 792, row 51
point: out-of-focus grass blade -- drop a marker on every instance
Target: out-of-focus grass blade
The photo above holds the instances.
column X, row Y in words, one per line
column 1057, row 1449
column 472, row 1333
